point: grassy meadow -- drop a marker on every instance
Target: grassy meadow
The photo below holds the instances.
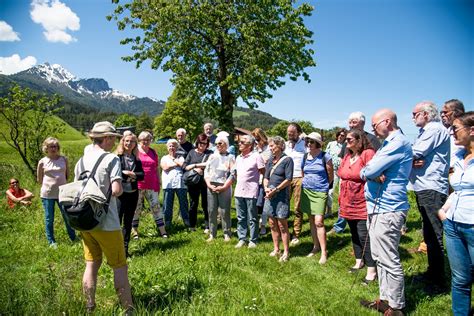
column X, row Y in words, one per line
column 185, row 275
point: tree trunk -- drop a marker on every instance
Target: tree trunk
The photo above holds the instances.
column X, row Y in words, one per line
column 225, row 119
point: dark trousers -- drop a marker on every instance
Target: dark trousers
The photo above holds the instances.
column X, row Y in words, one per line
column 128, row 204
column 360, row 235
column 429, row 202
column 196, row 191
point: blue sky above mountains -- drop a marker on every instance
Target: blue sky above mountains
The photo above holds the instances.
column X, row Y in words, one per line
column 369, row 54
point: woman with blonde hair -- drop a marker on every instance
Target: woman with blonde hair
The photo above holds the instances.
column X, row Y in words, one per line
column 149, row 187
column 132, row 172
column 52, row 172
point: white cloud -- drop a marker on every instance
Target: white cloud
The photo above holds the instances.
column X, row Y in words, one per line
column 56, row 18
column 13, row 64
column 7, row 34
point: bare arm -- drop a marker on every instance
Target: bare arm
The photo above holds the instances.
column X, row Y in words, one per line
column 330, row 169
column 39, row 173
column 117, row 189
column 12, row 197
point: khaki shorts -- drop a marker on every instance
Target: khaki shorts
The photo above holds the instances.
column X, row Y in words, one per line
column 108, row 242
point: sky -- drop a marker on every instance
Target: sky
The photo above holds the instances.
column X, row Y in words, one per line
column 370, row 54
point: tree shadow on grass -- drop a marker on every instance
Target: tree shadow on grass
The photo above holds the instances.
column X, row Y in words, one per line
column 147, row 245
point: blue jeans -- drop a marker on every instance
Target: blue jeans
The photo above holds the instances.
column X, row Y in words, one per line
column 340, row 224
column 247, row 214
column 460, row 247
column 48, row 205
column 168, row 201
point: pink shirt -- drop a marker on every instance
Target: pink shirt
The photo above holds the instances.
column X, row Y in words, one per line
column 150, row 163
column 247, row 168
column 54, row 175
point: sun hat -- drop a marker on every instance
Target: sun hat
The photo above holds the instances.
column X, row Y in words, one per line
column 315, row 136
column 102, row 129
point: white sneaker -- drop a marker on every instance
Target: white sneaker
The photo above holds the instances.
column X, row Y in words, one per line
column 252, row 245
column 295, row 241
column 210, row 239
column 240, row 244
column 206, row 231
column 226, row 238
column 53, row 245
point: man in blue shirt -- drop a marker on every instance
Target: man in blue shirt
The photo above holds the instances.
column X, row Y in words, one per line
column 386, row 177
column 429, row 178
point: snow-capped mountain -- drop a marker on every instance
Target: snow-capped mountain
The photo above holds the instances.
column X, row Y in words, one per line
column 95, row 92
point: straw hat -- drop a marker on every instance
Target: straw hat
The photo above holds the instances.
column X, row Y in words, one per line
column 102, row 129
column 315, row 136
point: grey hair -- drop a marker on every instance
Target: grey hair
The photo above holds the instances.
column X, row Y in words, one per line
column 145, row 135
column 172, row 141
column 181, row 130
column 224, row 139
column 357, row 116
column 249, row 138
column 431, row 109
column 278, row 140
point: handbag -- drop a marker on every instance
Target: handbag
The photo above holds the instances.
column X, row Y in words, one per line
column 192, row 177
column 84, row 204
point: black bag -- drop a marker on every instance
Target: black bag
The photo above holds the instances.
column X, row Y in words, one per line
column 192, row 177
column 86, row 214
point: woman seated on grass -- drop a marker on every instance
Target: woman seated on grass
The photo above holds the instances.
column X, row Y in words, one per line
column 16, row 195
column 278, row 175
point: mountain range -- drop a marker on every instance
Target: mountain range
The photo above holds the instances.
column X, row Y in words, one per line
column 92, row 92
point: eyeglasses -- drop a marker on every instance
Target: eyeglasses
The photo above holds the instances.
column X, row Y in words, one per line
column 310, row 141
column 445, row 112
column 52, row 146
column 416, row 113
column 13, row 182
column 456, row 129
column 243, row 143
column 349, row 139
column 219, row 144
column 374, row 126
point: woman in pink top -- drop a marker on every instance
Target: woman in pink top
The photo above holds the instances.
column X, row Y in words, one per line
column 352, row 200
column 149, row 188
column 52, row 172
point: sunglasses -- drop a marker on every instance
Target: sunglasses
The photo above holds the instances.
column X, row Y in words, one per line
column 219, row 144
column 310, row 141
column 14, row 182
column 243, row 143
column 456, row 129
column 349, row 139
column 52, row 146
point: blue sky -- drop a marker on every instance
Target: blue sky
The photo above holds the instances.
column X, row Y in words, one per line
column 369, row 54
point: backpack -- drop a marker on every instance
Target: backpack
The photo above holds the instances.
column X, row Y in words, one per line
column 84, row 204
column 305, row 156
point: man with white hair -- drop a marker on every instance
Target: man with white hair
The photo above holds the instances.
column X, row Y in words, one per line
column 184, row 145
column 429, row 179
column 209, row 131
column 248, row 167
column 356, row 120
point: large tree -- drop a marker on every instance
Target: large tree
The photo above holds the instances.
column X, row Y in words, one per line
column 28, row 122
column 222, row 49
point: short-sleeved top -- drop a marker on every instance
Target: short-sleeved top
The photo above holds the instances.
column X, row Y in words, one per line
column 462, row 199
column 219, row 167
column 283, row 171
column 265, row 152
column 54, row 175
column 315, row 176
column 184, row 149
column 296, row 151
column 351, row 189
column 18, row 194
column 150, row 162
column 172, row 178
column 247, row 168
column 196, row 157
column 334, row 149
column 108, row 171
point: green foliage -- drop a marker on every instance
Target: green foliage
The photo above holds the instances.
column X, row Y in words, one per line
column 125, row 120
column 181, row 111
column 221, row 50
column 27, row 116
column 252, row 118
column 281, row 127
column 144, row 122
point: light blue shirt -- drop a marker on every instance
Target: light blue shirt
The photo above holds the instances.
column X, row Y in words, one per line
column 393, row 160
column 462, row 199
column 433, row 146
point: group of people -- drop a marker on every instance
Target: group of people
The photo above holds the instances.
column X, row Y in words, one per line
column 374, row 173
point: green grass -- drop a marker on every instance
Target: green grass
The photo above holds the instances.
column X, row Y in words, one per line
column 185, row 275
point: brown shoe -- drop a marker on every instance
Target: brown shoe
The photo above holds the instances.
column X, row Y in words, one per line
column 393, row 312
column 378, row 305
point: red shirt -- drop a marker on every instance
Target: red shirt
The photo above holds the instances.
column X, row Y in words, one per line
column 351, row 190
column 18, row 194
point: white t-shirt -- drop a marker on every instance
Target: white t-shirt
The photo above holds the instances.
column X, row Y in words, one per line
column 107, row 172
column 173, row 178
column 296, row 153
